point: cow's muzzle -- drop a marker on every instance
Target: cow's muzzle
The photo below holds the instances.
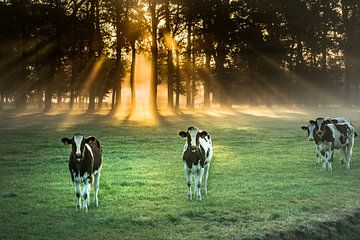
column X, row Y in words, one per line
column 311, row 139
column 193, row 148
column 78, row 157
column 320, row 133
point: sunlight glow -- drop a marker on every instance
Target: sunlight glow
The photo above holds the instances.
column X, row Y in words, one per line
column 93, row 72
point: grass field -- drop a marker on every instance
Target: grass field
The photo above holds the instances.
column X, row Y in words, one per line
column 263, row 178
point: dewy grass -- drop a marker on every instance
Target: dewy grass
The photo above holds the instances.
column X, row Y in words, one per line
column 263, row 179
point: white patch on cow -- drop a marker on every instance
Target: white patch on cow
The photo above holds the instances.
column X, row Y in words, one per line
column 193, row 132
column 90, row 150
column 311, row 128
column 96, row 186
column 78, row 140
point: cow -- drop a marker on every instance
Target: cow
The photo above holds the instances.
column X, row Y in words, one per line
column 85, row 167
column 197, row 155
column 333, row 136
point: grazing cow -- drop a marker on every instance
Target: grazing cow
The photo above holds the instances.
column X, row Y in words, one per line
column 197, row 154
column 85, row 166
column 333, row 136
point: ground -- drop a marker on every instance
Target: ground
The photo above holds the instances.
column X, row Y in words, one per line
column 263, row 181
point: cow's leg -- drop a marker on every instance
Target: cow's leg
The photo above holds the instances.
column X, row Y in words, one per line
column 328, row 158
column 198, row 176
column 318, row 155
column 86, row 194
column 205, row 176
column 348, row 155
column 342, row 155
column 78, row 195
column 188, row 180
column 96, row 188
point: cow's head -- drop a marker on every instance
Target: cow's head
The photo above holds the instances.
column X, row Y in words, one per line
column 310, row 129
column 193, row 136
column 321, row 124
column 78, row 142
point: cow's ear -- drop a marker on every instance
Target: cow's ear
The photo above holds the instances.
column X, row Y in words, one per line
column 183, row 134
column 90, row 139
column 304, row 127
column 312, row 122
column 203, row 134
column 327, row 121
column 66, row 141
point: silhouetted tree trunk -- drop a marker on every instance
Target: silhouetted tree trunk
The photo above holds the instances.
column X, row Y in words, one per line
column 100, row 102
column 207, row 81
column 177, row 77
column 169, row 58
column 1, row 101
column 188, row 66
column 116, row 99
column 132, row 76
column 154, row 58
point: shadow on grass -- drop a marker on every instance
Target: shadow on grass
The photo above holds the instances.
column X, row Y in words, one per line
column 344, row 228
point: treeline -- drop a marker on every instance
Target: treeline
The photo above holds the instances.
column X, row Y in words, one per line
column 303, row 52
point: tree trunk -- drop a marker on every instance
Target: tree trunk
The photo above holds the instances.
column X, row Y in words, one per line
column 100, row 103
column 48, row 99
column 154, row 59
column 132, row 76
column 1, row 101
column 113, row 99
column 177, row 97
column 91, row 106
column 207, row 81
column 169, row 58
column 188, row 67
column 116, row 100
column 20, row 101
column 221, row 79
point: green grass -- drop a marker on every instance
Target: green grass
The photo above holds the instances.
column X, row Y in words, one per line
column 263, row 179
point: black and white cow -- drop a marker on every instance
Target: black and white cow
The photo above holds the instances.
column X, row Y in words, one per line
column 334, row 136
column 85, row 167
column 197, row 154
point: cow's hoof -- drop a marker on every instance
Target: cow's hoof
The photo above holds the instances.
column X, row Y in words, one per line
column 78, row 208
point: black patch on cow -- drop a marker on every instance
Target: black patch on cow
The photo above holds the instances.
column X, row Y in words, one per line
column 208, row 153
column 77, row 195
column 85, row 197
column 344, row 132
column 327, row 136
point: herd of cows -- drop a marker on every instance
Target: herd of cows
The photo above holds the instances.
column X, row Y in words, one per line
column 329, row 134
column 85, row 159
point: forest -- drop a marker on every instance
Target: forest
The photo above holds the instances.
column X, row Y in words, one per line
column 203, row 53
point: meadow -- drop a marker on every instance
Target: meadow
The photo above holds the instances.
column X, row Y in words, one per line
column 263, row 181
